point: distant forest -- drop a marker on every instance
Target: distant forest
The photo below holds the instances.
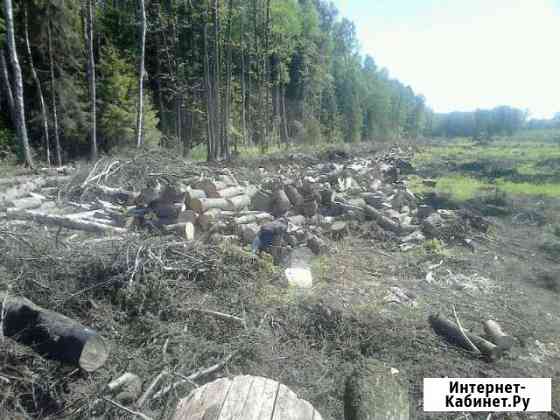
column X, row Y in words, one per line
column 79, row 77
column 225, row 73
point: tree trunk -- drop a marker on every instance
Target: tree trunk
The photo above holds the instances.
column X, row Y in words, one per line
column 227, row 99
column 218, row 128
column 20, row 124
column 91, row 74
column 140, row 116
column 7, row 86
column 44, row 121
column 53, row 94
column 211, row 154
column 243, row 88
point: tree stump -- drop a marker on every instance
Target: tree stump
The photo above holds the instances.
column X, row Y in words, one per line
column 244, row 398
column 373, row 392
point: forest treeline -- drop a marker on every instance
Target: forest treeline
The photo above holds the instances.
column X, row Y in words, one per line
column 100, row 74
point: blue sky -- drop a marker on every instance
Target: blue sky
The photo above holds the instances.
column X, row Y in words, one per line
column 464, row 54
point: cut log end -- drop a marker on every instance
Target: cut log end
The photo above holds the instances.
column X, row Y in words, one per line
column 94, row 354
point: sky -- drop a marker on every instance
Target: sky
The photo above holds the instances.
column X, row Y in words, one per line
column 466, row 54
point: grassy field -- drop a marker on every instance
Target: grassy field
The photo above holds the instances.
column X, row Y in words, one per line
column 520, row 166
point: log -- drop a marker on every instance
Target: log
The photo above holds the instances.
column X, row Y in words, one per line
column 173, row 194
column 316, row 245
column 244, row 398
column 258, row 217
column 210, row 187
column 238, row 203
column 327, row 197
column 126, row 387
column 262, row 201
column 74, row 221
column 51, row 334
column 451, row 332
column 381, row 220
column 191, row 195
column 117, row 195
column 184, row 230
column 248, row 232
column 293, row 195
column 495, row 334
column 27, row 203
column 298, row 220
column 187, row 216
column 280, row 203
column 230, row 192
column 202, row 205
column 309, row 208
column 209, row 218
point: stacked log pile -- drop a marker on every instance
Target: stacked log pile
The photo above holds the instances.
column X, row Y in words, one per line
column 319, row 201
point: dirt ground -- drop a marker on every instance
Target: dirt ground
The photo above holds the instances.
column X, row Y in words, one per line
column 369, row 300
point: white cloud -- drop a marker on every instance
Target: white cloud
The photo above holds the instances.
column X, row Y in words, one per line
column 491, row 53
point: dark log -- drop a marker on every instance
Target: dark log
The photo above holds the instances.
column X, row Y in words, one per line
column 497, row 336
column 184, row 230
column 211, row 188
column 316, row 245
column 262, row 201
column 51, row 334
column 293, row 195
column 451, row 332
column 280, row 203
column 381, row 220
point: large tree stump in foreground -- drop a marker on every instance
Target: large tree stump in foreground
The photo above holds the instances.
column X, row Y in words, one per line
column 375, row 392
column 51, row 334
column 244, row 398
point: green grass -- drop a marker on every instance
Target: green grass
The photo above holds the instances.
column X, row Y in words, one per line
column 460, row 188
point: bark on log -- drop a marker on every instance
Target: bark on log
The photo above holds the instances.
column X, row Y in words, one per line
column 187, row 216
column 51, row 334
column 117, row 195
column 280, row 203
column 382, row 221
column 497, row 336
column 451, row 332
column 69, row 222
column 184, row 230
column 202, row 205
column 211, row 188
column 28, row 185
column 27, row 203
column 316, row 245
column 191, row 195
column 238, row 203
column 207, row 219
column 293, row 195
column 230, row 192
column 248, row 232
column 262, row 201
column 253, row 218
column 298, row 220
